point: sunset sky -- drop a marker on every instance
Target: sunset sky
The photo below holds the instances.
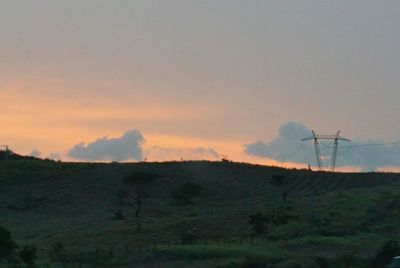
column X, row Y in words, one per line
column 95, row 80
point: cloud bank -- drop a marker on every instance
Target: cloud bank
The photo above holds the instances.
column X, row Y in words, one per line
column 130, row 147
column 126, row 147
column 35, row 153
column 367, row 155
column 54, row 156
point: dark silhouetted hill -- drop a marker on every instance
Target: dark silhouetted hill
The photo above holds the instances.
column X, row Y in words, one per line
column 44, row 202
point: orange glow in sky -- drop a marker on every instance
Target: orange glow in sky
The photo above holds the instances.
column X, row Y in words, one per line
column 73, row 72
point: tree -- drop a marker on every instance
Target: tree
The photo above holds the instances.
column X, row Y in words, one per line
column 122, row 195
column 7, row 244
column 285, row 196
column 139, row 181
column 118, row 214
column 258, row 224
column 273, row 215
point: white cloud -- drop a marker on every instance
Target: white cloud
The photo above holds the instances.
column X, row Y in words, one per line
column 126, row 147
column 287, row 146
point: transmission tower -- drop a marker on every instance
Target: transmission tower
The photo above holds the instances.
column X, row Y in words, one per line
column 335, row 137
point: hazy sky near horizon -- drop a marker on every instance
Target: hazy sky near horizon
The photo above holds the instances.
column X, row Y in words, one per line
column 196, row 74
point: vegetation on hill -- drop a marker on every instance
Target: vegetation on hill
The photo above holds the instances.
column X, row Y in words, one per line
column 10, row 155
column 197, row 214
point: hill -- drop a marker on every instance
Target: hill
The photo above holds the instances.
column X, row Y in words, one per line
column 10, row 155
column 89, row 210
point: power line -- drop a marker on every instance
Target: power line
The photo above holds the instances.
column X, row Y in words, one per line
column 375, row 144
column 283, row 159
column 340, row 150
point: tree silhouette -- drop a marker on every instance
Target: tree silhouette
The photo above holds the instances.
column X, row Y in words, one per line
column 139, row 181
column 7, row 245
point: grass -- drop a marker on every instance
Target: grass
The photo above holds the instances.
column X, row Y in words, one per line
column 271, row 254
column 43, row 202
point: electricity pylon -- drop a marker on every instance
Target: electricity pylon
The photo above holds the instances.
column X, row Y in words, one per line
column 335, row 137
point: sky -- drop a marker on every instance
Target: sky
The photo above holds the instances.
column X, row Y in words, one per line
column 99, row 80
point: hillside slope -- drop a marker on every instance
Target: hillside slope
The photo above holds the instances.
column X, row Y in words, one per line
column 43, row 202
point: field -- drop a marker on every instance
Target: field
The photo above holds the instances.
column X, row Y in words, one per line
column 309, row 219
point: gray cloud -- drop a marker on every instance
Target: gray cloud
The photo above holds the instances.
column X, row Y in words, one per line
column 54, row 156
column 35, row 153
column 287, row 147
column 126, row 147
column 288, row 140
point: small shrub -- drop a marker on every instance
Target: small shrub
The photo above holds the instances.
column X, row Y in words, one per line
column 322, row 262
column 28, row 255
column 186, row 192
column 188, row 238
column 258, row 224
column 7, row 245
column 277, row 180
column 386, row 253
column 285, row 196
column 32, row 200
column 295, row 263
column 249, row 263
column 118, row 214
column 347, row 260
column 57, row 251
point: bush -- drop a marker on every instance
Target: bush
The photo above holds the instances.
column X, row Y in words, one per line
column 348, row 259
column 186, row 192
column 188, row 238
column 295, row 263
column 57, row 251
column 277, row 180
column 254, row 264
column 322, row 262
column 7, row 245
column 28, row 255
column 389, row 250
column 258, row 224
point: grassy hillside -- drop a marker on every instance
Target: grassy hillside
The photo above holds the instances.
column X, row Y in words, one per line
column 326, row 216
